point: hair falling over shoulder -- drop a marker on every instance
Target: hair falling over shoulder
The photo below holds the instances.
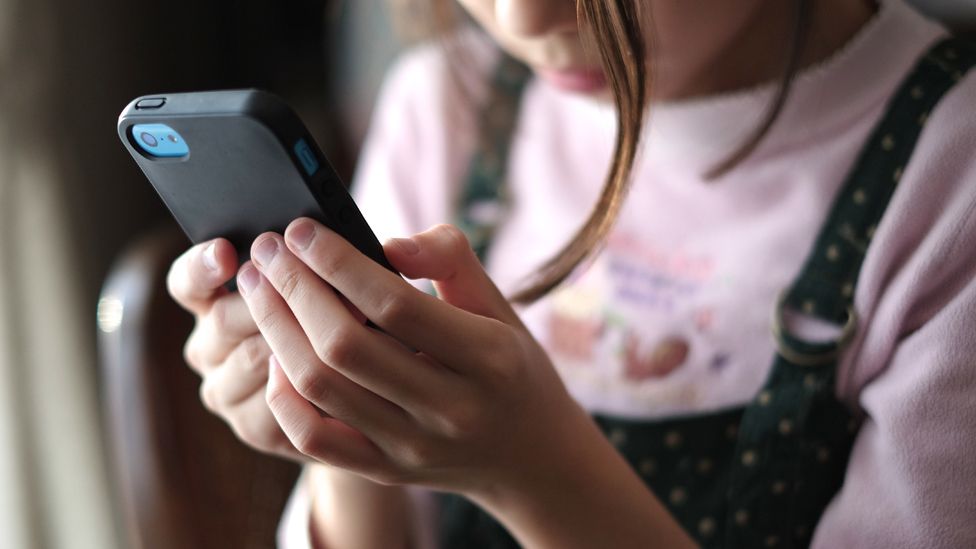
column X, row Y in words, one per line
column 616, row 29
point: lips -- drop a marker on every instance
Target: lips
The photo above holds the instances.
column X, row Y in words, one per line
column 581, row 80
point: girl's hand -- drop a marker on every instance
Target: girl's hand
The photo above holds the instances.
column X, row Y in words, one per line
column 231, row 356
column 226, row 348
column 453, row 393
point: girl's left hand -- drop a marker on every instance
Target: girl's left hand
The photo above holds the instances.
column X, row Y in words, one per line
column 453, row 393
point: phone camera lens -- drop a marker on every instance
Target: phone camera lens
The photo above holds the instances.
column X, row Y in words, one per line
column 158, row 141
column 148, row 139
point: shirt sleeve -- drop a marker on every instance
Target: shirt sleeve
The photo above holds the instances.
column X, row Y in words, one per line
column 294, row 528
column 911, row 478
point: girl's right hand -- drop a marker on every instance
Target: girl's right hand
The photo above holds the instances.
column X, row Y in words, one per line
column 231, row 356
column 226, row 348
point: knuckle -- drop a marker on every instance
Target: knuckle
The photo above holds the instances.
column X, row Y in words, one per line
column 338, row 348
column 282, row 447
column 274, row 397
column 327, row 264
column 279, row 445
column 174, row 277
column 208, row 395
column 255, row 352
column 291, row 285
column 255, row 435
column 267, row 318
column 502, row 366
column 462, row 421
column 245, row 432
column 218, row 317
column 228, row 318
column 192, row 353
column 308, row 442
column 502, row 374
column 183, row 279
column 417, row 454
column 501, row 335
column 454, row 237
column 312, row 385
column 395, row 308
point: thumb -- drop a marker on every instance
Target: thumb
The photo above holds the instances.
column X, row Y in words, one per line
column 443, row 255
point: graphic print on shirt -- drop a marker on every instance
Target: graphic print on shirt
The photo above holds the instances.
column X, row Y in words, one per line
column 635, row 318
column 667, row 356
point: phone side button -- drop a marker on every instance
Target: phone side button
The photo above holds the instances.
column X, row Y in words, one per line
column 151, row 103
column 306, row 156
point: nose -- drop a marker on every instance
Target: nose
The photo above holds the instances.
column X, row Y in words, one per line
column 531, row 18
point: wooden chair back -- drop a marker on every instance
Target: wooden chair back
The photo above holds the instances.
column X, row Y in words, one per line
column 183, row 479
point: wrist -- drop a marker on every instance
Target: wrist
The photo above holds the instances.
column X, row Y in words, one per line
column 348, row 510
column 578, row 491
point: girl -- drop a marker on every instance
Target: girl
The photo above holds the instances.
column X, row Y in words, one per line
column 809, row 161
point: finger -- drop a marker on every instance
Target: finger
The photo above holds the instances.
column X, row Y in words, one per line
column 324, row 438
column 365, row 356
column 243, row 374
column 222, row 329
column 319, row 384
column 418, row 320
column 255, row 425
column 197, row 276
column 443, row 255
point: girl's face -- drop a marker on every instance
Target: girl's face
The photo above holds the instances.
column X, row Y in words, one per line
column 543, row 34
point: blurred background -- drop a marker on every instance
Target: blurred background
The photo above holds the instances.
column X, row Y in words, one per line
column 90, row 392
column 73, row 204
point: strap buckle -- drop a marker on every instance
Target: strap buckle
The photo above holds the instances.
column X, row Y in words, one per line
column 810, row 354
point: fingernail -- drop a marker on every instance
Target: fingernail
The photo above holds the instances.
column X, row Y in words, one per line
column 248, row 279
column 407, row 245
column 301, row 235
column 272, row 364
column 265, row 250
column 210, row 256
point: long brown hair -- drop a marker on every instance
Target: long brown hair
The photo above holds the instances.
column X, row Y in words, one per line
column 617, row 29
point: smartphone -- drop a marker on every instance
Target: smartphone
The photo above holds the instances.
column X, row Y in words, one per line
column 238, row 163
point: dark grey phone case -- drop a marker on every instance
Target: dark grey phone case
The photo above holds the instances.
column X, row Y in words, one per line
column 243, row 175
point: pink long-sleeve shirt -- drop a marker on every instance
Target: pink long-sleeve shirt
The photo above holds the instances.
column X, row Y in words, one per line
column 673, row 316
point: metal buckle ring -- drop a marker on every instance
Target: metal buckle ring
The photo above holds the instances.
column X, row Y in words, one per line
column 804, row 358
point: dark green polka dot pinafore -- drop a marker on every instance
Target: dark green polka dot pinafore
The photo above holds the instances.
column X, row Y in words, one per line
column 759, row 475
